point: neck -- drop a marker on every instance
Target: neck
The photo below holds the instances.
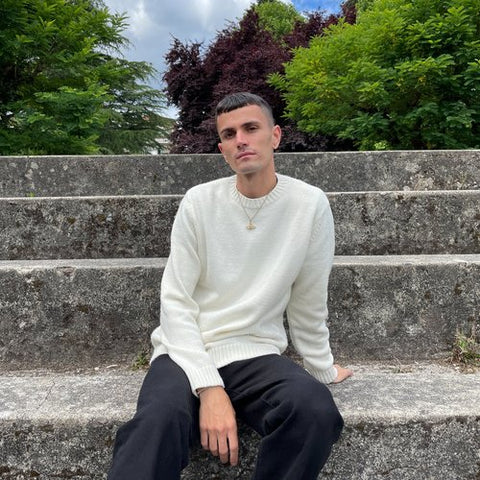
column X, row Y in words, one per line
column 255, row 186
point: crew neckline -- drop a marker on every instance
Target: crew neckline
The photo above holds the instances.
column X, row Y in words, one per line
column 270, row 197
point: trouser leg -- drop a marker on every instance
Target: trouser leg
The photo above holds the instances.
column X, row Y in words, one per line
column 294, row 413
column 155, row 444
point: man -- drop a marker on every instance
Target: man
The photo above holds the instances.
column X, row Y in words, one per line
column 244, row 250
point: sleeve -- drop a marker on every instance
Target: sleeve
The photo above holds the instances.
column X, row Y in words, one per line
column 307, row 309
column 179, row 330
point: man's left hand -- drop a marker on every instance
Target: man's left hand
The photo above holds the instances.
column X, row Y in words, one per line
column 342, row 374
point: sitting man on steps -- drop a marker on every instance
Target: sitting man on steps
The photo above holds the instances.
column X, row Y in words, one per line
column 244, row 250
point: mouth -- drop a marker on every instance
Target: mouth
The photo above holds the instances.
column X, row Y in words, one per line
column 242, row 155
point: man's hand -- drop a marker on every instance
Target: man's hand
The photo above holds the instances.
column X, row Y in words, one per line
column 342, row 374
column 218, row 427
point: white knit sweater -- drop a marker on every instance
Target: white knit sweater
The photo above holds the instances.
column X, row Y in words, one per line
column 225, row 288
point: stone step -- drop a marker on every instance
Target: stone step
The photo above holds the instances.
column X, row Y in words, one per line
column 402, row 422
column 63, row 314
column 86, row 227
column 174, row 174
column 367, row 223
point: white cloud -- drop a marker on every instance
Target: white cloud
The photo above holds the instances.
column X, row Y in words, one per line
column 153, row 23
column 141, row 24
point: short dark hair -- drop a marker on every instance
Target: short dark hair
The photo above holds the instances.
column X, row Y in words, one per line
column 243, row 99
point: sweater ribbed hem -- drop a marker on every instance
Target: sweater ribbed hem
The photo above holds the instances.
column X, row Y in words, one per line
column 233, row 352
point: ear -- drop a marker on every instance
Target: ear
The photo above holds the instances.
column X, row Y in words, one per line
column 276, row 136
column 220, row 147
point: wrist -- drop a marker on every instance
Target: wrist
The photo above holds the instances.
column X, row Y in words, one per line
column 201, row 390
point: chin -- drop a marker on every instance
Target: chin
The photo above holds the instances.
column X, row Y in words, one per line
column 247, row 171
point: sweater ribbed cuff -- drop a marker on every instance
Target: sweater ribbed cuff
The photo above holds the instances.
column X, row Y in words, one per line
column 204, row 377
column 325, row 376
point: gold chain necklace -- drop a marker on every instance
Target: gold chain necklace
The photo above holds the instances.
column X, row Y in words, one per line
column 251, row 225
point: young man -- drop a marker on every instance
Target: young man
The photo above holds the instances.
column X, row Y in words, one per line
column 244, row 250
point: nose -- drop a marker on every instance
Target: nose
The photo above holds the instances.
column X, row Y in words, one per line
column 241, row 139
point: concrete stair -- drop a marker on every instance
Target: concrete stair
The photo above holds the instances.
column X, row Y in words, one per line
column 166, row 174
column 83, row 243
column 401, row 423
column 367, row 223
column 84, row 313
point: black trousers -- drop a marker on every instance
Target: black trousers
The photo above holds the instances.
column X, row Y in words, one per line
column 293, row 412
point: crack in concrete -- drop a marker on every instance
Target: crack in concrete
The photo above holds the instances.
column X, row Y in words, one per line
column 47, row 396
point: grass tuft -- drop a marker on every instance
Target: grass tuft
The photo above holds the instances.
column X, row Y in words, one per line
column 466, row 349
column 142, row 360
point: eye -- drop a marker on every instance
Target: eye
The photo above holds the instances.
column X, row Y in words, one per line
column 227, row 135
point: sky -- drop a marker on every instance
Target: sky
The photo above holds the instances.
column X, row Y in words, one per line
column 152, row 24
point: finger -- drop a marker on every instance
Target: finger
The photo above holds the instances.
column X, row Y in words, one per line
column 213, row 445
column 223, row 449
column 233, row 448
column 204, row 439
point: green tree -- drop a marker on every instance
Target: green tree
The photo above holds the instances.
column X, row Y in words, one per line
column 405, row 76
column 63, row 90
column 277, row 17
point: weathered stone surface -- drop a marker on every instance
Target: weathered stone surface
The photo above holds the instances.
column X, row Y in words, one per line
column 401, row 424
column 165, row 174
column 367, row 223
column 384, row 171
column 402, row 223
column 74, row 313
column 93, row 227
column 71, row 314
column 402, row 307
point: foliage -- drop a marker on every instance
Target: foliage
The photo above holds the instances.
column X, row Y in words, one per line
column 135, row 123
column 61, row 89
column 278, row 18
column 405, row 76
column 241, row 58
column 142, row 360
column 466, row 349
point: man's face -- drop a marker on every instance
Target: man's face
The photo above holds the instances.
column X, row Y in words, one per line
column 247, row 139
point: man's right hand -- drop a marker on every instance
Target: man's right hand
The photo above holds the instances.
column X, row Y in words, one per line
column 218, row 426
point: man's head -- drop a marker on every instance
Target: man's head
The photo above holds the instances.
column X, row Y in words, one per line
column 242, row 99
column 248, row 134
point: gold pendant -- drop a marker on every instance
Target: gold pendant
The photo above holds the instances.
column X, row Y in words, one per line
column 251, row 226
